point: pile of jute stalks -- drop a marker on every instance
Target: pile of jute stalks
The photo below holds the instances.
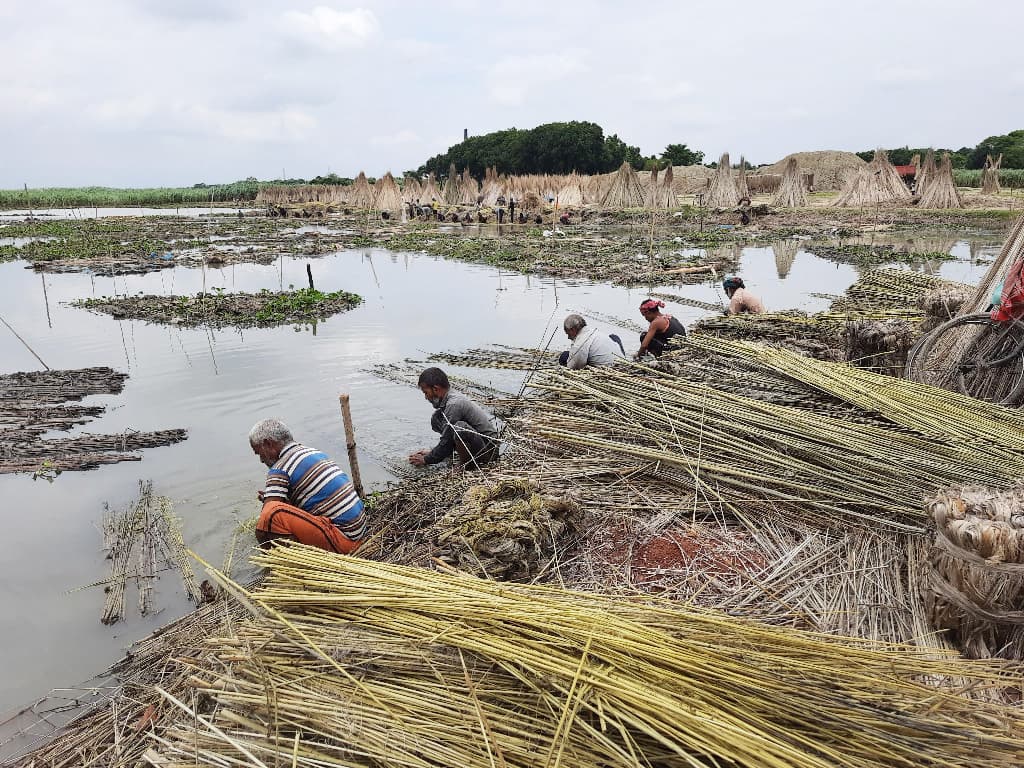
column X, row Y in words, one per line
column 350, row 662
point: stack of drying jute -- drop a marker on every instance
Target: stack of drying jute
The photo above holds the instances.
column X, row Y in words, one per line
column 974, row 581
column 506, row 530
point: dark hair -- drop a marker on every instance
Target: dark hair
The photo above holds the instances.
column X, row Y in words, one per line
column 434, row 377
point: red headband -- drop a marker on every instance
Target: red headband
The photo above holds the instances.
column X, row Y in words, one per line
column 652, row 304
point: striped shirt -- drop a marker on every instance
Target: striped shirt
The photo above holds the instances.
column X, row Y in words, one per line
column 308, row 479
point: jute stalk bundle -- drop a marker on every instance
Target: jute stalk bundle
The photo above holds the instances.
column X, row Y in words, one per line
column 941, row 192
column 741, row 179
column 922, row 409
column 361, row 194
column 791, row 192
column 890, row 289
column 723, row 192
column 925, row 173
column 571, row 191
column 625, row 190
column 975, row 583
column 990, row 175
column 451, row 192
column 430, row 192
column 389, row 196
column 412, row 190
column 468, row 188
column 877, row 182
column 863, row 474
column 359, row 663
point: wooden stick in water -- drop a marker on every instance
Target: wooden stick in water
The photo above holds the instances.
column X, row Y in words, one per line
column 350, row 444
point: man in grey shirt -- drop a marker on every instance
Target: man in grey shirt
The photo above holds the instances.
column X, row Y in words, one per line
column 589, row 347
column 465, row 427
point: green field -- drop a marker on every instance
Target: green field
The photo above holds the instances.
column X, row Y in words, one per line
column 110, row 197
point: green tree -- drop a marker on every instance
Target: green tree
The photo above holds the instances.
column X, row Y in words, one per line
column 549, row 148
column 1010, row 146
column 680, row 154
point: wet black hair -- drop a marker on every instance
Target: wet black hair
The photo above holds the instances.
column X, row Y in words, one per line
column 434, row 377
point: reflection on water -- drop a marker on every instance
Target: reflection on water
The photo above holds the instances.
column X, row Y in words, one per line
column 218, row 382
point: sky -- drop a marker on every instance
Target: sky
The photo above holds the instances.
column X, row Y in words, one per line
column 147, row 93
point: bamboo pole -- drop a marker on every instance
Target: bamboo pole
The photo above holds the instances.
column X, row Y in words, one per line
column 350, row 444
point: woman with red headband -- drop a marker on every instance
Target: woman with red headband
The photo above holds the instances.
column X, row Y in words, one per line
column 656, row 339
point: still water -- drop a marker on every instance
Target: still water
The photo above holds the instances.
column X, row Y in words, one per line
column 217, row 383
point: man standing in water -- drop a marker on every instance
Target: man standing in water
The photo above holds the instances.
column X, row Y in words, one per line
column 307, row 497
column 464, row 426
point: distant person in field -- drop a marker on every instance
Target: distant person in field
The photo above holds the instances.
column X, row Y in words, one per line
column 466, row 429
column 661, row 331
column 307, row 497
column 741, row 301
column 589, row 347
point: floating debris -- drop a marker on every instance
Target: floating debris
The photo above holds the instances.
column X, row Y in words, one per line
column 241, row 310
column 32, row 404
column 148, row 530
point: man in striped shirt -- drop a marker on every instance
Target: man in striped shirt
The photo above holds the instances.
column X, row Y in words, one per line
column 307, row 498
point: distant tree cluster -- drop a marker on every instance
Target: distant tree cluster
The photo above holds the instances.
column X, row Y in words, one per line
column 1010, row 145
column 550, row 148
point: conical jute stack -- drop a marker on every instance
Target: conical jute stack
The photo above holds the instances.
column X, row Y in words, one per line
column 877, row 182
column 625, row 190
column 741, row 179
column 389, row 196
column 940, row 191
column 411, row 189
column 990, row 175
column 925, row 173
column 791, row 192
column 660, row 195
column 468, row 188
column 362, row 194
column 430, row 191
column 451, row 192
column 723, row 192
column 571, row 192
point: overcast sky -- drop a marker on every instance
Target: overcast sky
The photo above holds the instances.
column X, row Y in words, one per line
column 174, row 92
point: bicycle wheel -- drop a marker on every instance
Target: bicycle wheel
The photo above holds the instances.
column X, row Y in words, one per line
column 958, row 355
column 992, row 368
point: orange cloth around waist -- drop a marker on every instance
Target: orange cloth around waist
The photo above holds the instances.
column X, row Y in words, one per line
column 280, row 519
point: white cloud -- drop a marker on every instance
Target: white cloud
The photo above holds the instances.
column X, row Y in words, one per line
column 329, row 29
column 285, row 125
column 143, row 113
column 512, row 78
column 901, row 74
column 402, row 137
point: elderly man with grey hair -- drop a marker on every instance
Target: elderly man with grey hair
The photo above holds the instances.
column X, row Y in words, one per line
column 589, row 347
column 307, row 497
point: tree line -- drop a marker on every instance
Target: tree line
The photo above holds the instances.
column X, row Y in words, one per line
column 550, row 148
column 1009, row 145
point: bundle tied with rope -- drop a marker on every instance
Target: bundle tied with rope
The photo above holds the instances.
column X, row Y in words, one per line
column 974, row 577
column 878, row 345
column 506, row 530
